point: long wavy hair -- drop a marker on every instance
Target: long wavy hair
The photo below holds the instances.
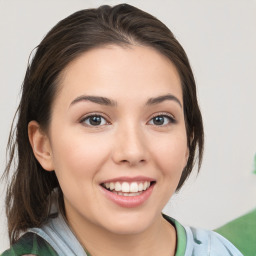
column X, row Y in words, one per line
column 29, row 185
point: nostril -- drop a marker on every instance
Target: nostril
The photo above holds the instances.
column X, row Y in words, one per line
column 132, row 162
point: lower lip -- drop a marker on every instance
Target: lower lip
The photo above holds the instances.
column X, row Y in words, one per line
column 129, row 201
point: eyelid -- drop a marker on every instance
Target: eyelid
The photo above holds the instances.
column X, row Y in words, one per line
column 81, row 120
column 166, row 114
column 163, row 114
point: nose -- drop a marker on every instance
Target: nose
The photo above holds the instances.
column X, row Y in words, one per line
column 130, row 146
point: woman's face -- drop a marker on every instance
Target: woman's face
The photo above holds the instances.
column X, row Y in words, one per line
column 117, row 138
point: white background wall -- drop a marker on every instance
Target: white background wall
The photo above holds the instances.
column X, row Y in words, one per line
column 220, row 40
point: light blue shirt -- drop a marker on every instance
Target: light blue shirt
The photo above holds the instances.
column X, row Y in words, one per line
column 196, row 242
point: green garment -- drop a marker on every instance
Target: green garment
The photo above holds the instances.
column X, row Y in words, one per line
column 242, row 233
column 181, row 236
column 31, row 243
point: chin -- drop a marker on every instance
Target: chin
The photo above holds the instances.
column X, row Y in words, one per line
column 129, row 224
column 128, row 229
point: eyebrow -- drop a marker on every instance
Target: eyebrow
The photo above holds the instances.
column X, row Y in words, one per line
column 95, row 99
column 108, row 102
column 159, row 99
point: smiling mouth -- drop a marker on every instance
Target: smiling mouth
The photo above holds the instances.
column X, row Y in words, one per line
column 127, row 188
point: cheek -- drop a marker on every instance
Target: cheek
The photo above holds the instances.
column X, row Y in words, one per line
column 171, row 154
column 78, row 155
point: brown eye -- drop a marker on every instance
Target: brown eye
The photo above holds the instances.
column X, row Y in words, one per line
column 161, row 120
column 158, row 120
column 94, row 120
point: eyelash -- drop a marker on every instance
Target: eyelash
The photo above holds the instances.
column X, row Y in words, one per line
column 171, row 119
column 87, row 117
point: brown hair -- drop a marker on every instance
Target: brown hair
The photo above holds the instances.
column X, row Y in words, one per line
column 28, row 192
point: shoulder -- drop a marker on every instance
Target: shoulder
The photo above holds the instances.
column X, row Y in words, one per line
column 195, row 241
column 205, row 242
column 30, row 244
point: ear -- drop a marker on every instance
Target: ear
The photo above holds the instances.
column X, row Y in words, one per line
column 40, row 144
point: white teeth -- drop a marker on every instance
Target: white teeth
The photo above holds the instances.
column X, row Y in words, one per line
column 127, row 194
column 125, row 187
column 112, row 186
column 145, row 185
column 140, row 187
column 118, row 186
column 134, row 187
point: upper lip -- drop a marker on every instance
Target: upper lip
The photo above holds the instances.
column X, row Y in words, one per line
column 129, row 179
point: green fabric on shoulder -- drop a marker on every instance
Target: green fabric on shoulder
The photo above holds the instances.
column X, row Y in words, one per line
column 242, row 233
column 181, row 236
column 31, row 244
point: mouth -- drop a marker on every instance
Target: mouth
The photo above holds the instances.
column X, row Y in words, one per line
column 126, row 189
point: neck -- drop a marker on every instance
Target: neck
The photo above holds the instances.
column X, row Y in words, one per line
column 158, row 239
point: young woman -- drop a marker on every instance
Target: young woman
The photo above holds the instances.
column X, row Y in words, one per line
column 108, row 129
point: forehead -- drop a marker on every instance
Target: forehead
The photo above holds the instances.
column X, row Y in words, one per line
column 113, row 70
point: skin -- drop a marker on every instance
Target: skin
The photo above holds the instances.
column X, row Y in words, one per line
column 127, row 143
